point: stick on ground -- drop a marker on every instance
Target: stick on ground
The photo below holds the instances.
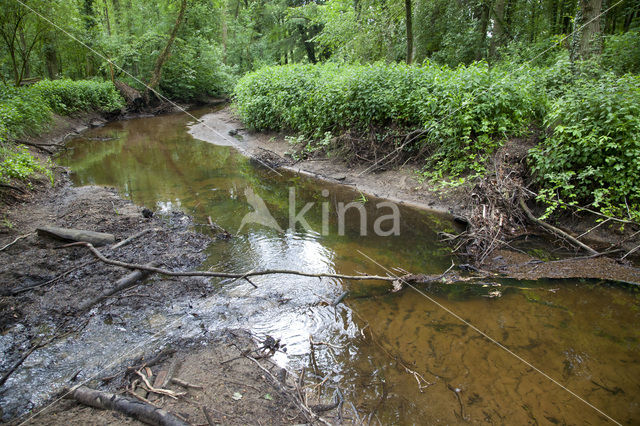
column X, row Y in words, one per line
column 142, row 411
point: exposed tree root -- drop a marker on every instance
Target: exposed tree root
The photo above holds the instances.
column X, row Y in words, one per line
column 554, row 230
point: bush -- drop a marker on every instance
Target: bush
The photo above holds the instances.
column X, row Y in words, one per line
column 21, row 112
column 622, row 53
column 27, row 111
column 467, row 110
column 593, row 153
column 68, row 96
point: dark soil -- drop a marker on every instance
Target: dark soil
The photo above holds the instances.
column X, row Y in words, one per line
column 236, row 392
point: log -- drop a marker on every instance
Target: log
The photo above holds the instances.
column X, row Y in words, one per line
column 131, row 96
column 95, row 238
column 122, row 284
column 137, row 409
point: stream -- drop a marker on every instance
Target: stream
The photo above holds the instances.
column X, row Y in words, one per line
column 397, row 355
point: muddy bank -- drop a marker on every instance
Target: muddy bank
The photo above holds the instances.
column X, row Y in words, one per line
column 235, row 392
column 213, row 377
column 44, row 285
column 402, row 186
column 271, row 150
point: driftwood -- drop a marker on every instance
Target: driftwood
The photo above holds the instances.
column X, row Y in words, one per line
column 553, row 229
column 137, row 409
column 122, row 284
column 95, row 238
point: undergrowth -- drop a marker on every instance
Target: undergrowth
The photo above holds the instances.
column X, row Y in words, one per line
column 589, row 154
column 28, row 111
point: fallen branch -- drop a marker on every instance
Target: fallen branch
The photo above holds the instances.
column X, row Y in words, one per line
column 161, row 271
column 38, row 146
column 20, row 141
column 96, row 238
column 70, row 270
column 122, row 284
column 16, row 240
column 553, row 229
column 137, row 409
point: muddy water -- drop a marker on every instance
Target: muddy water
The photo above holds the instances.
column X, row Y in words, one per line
column 397, row 356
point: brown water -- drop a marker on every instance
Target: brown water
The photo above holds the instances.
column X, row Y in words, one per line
column 387, row 346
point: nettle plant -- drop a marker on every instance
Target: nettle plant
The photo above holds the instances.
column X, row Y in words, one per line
column 593, row 153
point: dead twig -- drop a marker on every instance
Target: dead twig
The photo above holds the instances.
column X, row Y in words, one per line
column 160, row 391
column 633, row 250
column 21, row 237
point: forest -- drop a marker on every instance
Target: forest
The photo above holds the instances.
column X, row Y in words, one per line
column 442, row 84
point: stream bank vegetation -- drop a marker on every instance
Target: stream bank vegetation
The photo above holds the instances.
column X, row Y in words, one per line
column 566, row 135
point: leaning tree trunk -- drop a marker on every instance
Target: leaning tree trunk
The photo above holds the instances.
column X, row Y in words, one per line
column 162, row 58
column 586, row 38
column 409, row 22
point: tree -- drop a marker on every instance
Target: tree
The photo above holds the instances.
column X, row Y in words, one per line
column 409, row 24
column 157, row 69
column 586, row 38
column 20, row 31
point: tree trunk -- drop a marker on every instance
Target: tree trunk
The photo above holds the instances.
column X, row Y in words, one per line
column 586, row 38
column 50, row 56
column 498, row 28
column 409, row 23
column 482, row 30
column 26, row 69
column 157, row 69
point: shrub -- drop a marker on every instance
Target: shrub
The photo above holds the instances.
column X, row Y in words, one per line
column 622, row 52
column 466, row 110
column 593, row 153
column 21, row 112
column 27, row 111
column 68, row 96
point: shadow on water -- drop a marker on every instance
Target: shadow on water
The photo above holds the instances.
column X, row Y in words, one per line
column 398, row 356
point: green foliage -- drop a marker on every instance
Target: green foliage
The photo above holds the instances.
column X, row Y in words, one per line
column 465, row 111
column 27, row 110
column 68, row 96
column 622, row 52
column 593, row 153
column 19, row 164
column 22, row 111
column 195, row 71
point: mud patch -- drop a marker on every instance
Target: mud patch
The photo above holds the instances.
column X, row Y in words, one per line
column 234, row 392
